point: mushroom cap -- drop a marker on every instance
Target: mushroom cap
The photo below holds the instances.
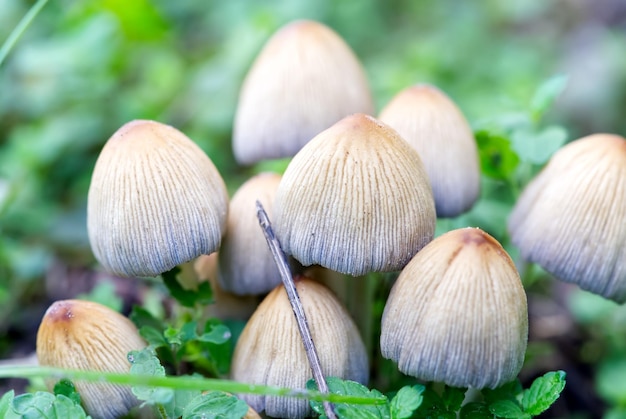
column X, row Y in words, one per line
column 246, row 265
column 84, row 335
column 457, row 313
column 270, row 350
column 155, row 201
column 434, row 125
column 571, row 218
column 355, row 199
column 305, row 79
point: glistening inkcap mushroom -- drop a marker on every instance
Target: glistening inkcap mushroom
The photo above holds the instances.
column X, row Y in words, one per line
column 571, row 218
column 155, row 201
column 355, row 199
column 434, row 125
column 305, row 79
column 83, row 335
column 270, row 350
column 457, row 313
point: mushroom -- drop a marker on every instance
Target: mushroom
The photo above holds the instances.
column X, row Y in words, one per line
column 305, row 79
column 155, row 201
column 84, row 335
column 571, row 218
column 246, row 265
column 457, row 313
column 270, row 351
column 355, row 199
column 437, row 129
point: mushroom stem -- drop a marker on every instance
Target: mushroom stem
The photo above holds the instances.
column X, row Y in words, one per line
column 296, row 305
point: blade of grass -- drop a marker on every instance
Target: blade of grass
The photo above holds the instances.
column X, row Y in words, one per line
column 20, row 28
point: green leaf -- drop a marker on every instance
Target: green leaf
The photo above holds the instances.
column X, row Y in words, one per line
column 453, row 397
column 537, row 147
column 610, row 380
column 406, row 401
column 546, row 94
column 215, row 404
column 351, row 411
column 475, row 410
column 543, row 392
column 188, row 298
column 154, row 337
column 66, row 388
column 44, row 405
column 497, row 159
column 145, row 362
column 507, row 409
column 508, row 391
column 104, row 293
column 175, row 408
column 5, row 403
column 217, row 334
column 143, row 318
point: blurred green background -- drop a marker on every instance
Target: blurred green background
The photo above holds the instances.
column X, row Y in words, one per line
column 83, row 69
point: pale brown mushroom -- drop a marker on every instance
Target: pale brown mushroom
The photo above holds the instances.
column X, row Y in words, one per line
column 457, row 313
column 84, row 335
column 571, row 218
column 155, row 201
column 355, row 199
column 305, row 79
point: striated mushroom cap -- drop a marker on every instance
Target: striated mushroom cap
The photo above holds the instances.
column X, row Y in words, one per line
column 270, row 350
column 246, row 265
column 457, row 313
column 155, row 201
column 83, row 335
column 571, row 219
column 432, row 123
column 305, row 79
column 355, row 199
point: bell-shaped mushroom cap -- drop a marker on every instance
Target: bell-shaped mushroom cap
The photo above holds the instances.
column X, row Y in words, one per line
column 431, row 122
column 270, row 350
column 457, row 313
column 246, row 265
column 155, row 201
column 355, row 199
column 305, row 79
column 571, row 219
column 83, row 335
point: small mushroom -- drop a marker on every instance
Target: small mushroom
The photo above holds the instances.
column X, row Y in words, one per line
column 270, row 350
column 433, row 124
column 457, row 313
column 246, row 265
column 305, row 79
column 155, row 201
column 571, row 218
column 84, row 335
column 355, row 199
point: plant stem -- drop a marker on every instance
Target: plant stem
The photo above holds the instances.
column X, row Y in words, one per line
column 182, row 383
column 296, row 305
column 20, row 28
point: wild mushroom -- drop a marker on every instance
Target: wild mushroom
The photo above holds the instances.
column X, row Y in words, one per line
column 305, row 79
column 457, row 313
column 433, row 124
column 269, row 350
column 155, row 201
column 246, row 265
column 570, row 219
column 355, row 199
column 83, row 335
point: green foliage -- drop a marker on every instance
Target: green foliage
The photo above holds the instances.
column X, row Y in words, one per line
column 66, row 388
column 43, row 405
column 187, row 298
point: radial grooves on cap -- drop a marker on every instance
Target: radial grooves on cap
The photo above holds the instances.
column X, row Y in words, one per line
column 355, row 199
column 570, row 218
column 457, row 314
column 305, row 79
column 155, row 201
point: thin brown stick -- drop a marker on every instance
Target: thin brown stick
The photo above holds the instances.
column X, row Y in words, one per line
column 296, row 305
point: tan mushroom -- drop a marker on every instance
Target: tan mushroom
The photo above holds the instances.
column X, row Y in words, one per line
column 305, row 79
column 88, row 336
column 355, row 199
column 270, row 350
column 246, row 265
column 155, row 201
column 434, row 125
column 571, row 219
column 457, row 313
